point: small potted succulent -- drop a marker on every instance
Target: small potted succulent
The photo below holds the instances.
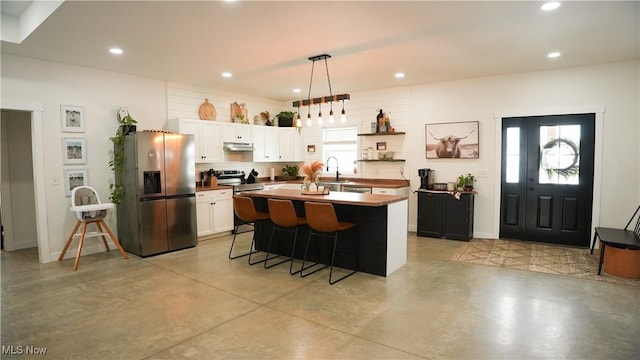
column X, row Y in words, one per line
column 465, row 182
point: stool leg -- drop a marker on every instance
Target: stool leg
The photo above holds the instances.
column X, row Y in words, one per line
column 84, row 232
column 235, row 233
column 267, row 258
column 104, row 238
column 293, row 253
column 304, row 258
column 602, row 246
column 593, row 245
column 333, row 256
column 66, row 246
column 253, row 244
column 114, row 239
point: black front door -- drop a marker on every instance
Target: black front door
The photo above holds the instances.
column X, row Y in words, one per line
column 547, row 178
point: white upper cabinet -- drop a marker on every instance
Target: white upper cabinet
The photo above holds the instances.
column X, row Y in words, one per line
column 207, row 137
column 287, row 144
column 276, row 144
column 237, row 133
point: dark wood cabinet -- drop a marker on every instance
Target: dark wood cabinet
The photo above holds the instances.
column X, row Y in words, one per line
column 441, row 215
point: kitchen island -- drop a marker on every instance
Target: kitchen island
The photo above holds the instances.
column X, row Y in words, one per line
column 381, row 233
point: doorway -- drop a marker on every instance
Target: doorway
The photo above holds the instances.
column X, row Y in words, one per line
column 35, row 110
column 547, row 178
column 17, row 178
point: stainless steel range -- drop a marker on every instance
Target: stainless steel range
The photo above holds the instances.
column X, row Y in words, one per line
column 236, row 178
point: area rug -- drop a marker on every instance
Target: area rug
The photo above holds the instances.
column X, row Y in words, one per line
column 548, row 259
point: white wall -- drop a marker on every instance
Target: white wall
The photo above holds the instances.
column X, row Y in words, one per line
column 614, row 86
column 183, row 101
column 101, row 93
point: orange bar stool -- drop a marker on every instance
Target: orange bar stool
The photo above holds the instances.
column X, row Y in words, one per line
column 284, row 218
column 248, row 215
column 323, row 221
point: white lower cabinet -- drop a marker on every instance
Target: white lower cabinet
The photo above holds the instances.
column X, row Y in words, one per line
column 214, row 211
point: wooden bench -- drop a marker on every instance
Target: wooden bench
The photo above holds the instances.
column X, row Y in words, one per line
column 618, row 238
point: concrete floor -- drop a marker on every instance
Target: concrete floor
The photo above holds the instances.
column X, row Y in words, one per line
column 198, row 304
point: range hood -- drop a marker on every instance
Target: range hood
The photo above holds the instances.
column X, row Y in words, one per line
column 237, row 147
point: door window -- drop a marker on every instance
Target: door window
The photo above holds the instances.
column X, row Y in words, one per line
column 513, row 155
column 559, row 155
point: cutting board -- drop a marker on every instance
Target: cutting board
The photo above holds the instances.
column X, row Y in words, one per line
column 207, row 111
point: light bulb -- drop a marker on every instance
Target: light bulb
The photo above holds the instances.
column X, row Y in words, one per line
column 298, row 121
column 309, row 122
column 343, row 117
column 331, row 117
column 320, row 118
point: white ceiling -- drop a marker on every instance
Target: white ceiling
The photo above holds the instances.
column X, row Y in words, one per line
column 266, row 44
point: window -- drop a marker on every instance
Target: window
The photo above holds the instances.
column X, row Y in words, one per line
column 513, row 155
column 343, row 144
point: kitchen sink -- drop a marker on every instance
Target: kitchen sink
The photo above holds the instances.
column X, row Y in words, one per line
column 333, row 185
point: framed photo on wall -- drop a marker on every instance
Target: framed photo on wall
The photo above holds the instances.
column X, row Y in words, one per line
column 74, row 151
column 73, row 178
column 72, row 118
column 455, row 140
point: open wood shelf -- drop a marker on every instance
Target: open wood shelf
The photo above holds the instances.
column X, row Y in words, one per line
column 386, row 160
column 383, row 134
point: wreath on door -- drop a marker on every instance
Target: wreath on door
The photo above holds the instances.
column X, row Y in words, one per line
column 570, row 148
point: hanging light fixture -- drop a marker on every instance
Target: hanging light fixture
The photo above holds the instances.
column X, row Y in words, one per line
column 321, row 100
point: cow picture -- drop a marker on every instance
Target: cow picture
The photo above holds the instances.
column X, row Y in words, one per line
column 457, row 140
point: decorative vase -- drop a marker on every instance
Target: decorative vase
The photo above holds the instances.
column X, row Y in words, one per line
column 306, row 183
column 313, row 186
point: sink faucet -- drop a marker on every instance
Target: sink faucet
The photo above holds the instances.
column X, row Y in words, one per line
column 337, row 173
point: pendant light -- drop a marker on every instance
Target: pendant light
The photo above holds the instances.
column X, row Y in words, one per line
column 321, row 100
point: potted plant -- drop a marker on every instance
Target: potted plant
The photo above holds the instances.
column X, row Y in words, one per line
column 285, row 118
column 290, row 171
column 465, row 182
column 126, row 125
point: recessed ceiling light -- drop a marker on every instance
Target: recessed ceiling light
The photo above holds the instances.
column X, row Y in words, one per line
column 116, row 51
column 550, row 5
column 553, row 55
column 296, row 90
column 227, row 74
column 399, row 75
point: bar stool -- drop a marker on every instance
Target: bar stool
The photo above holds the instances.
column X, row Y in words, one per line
column 246, row 212
column 323, row 221
column 284, row 218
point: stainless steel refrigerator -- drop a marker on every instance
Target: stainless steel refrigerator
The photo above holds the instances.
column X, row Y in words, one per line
column 158, row 210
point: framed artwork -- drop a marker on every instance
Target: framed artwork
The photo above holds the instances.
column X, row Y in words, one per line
column 73, row 178
column 455, row 140
column 74, row 151
column 381, row 146
column 72, row 118
column 311, row 148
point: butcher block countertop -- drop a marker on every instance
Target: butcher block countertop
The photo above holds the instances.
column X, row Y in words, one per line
column 353, row 182
column 215, row 187
column 334, row 197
